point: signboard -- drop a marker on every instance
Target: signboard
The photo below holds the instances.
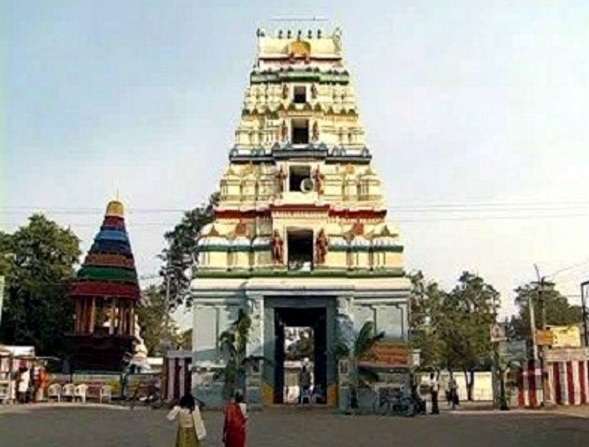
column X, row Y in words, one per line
column 566, row 336
column 498, row 333
column 567, row 355
column 19, row 351
column 389, row 355
column 544, row 338
column 416, row 357
column 344, row 372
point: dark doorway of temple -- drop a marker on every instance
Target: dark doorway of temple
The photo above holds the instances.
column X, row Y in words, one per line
column 301, row 341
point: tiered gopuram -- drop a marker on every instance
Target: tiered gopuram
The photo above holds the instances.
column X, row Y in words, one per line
column 105, row 294
column 301, row 221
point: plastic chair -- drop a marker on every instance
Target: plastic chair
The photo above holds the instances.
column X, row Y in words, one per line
column 69, row 391
column 305, row 395
column 105, row 393
column 80, row 392
column 54, row 391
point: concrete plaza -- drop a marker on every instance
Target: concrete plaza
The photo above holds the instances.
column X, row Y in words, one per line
column 105, row 427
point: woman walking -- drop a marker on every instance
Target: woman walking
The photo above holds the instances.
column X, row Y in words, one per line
column 191, row 428
column 234, row 428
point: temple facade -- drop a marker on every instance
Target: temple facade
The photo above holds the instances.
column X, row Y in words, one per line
column 300, row 236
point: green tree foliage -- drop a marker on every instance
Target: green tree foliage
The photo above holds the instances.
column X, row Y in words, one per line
column 452, row 329
column 181, row 254
column 359, row 350
column 38, row 261
column 558, row 310
column 151, row 315
column 427, row 321
column 472, row 309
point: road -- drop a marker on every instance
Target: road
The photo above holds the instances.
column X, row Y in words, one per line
column 290, row 428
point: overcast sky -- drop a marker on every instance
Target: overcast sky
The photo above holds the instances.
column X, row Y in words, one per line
column 477, row 114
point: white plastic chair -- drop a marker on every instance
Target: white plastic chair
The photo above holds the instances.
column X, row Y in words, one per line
column 69, row 391
column 80, row 392
column 105, row 393
column 4, row 391
column 54, row 391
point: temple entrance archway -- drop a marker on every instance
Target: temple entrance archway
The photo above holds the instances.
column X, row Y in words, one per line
column 313, row 315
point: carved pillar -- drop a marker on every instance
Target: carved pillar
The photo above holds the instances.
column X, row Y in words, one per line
column 92, row 314
column 113, row 310
column 255, row 347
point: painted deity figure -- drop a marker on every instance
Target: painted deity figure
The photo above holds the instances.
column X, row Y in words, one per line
column 284, row 131
column 279, row 178
column 321, row 245
column 277, row 248
column 319, row 180
column 315, row 132
column 285, row 91
column 314, row 91
column 337, row 40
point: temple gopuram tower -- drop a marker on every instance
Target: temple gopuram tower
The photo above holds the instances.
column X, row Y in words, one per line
column 105, row 294
column 300, row 236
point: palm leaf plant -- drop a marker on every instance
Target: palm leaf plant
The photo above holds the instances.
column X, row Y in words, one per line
column 356, row 352
column 502, row 365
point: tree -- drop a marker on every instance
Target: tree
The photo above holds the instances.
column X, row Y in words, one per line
column 181, row 254
column 233, row 343
column 471, row 310
column 452, row 329
column 558, row 310
column 426, row 321
column 359, row 350
column 38, row 261
column 152, row 316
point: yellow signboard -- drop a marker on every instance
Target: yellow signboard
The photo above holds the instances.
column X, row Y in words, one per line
column 544, row 338
column 566, row 336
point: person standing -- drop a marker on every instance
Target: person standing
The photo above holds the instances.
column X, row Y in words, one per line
column 191, row 428
column 453, row 392
column 235, row 425
column 434, row 388
column 24, row 383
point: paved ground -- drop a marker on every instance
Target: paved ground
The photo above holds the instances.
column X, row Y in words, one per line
column 99, row 427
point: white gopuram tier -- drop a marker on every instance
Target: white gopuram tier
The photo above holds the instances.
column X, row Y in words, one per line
column 301, row 211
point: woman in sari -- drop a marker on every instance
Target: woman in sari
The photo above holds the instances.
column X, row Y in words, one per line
column 191, row 428
column 234, row 428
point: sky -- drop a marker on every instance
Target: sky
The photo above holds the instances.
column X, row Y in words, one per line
column 477, row 114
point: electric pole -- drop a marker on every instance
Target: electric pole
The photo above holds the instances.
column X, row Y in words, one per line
column 584, row 297
column 541, row 284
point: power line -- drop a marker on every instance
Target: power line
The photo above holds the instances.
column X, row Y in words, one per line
column 571, row 267
column 424, row 207
column 401, row 220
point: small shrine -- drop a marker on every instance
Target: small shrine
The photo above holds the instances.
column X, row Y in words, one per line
column 301, row 235
column 105, row 294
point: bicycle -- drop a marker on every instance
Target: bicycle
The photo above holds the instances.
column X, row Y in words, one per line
column 391, row 401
